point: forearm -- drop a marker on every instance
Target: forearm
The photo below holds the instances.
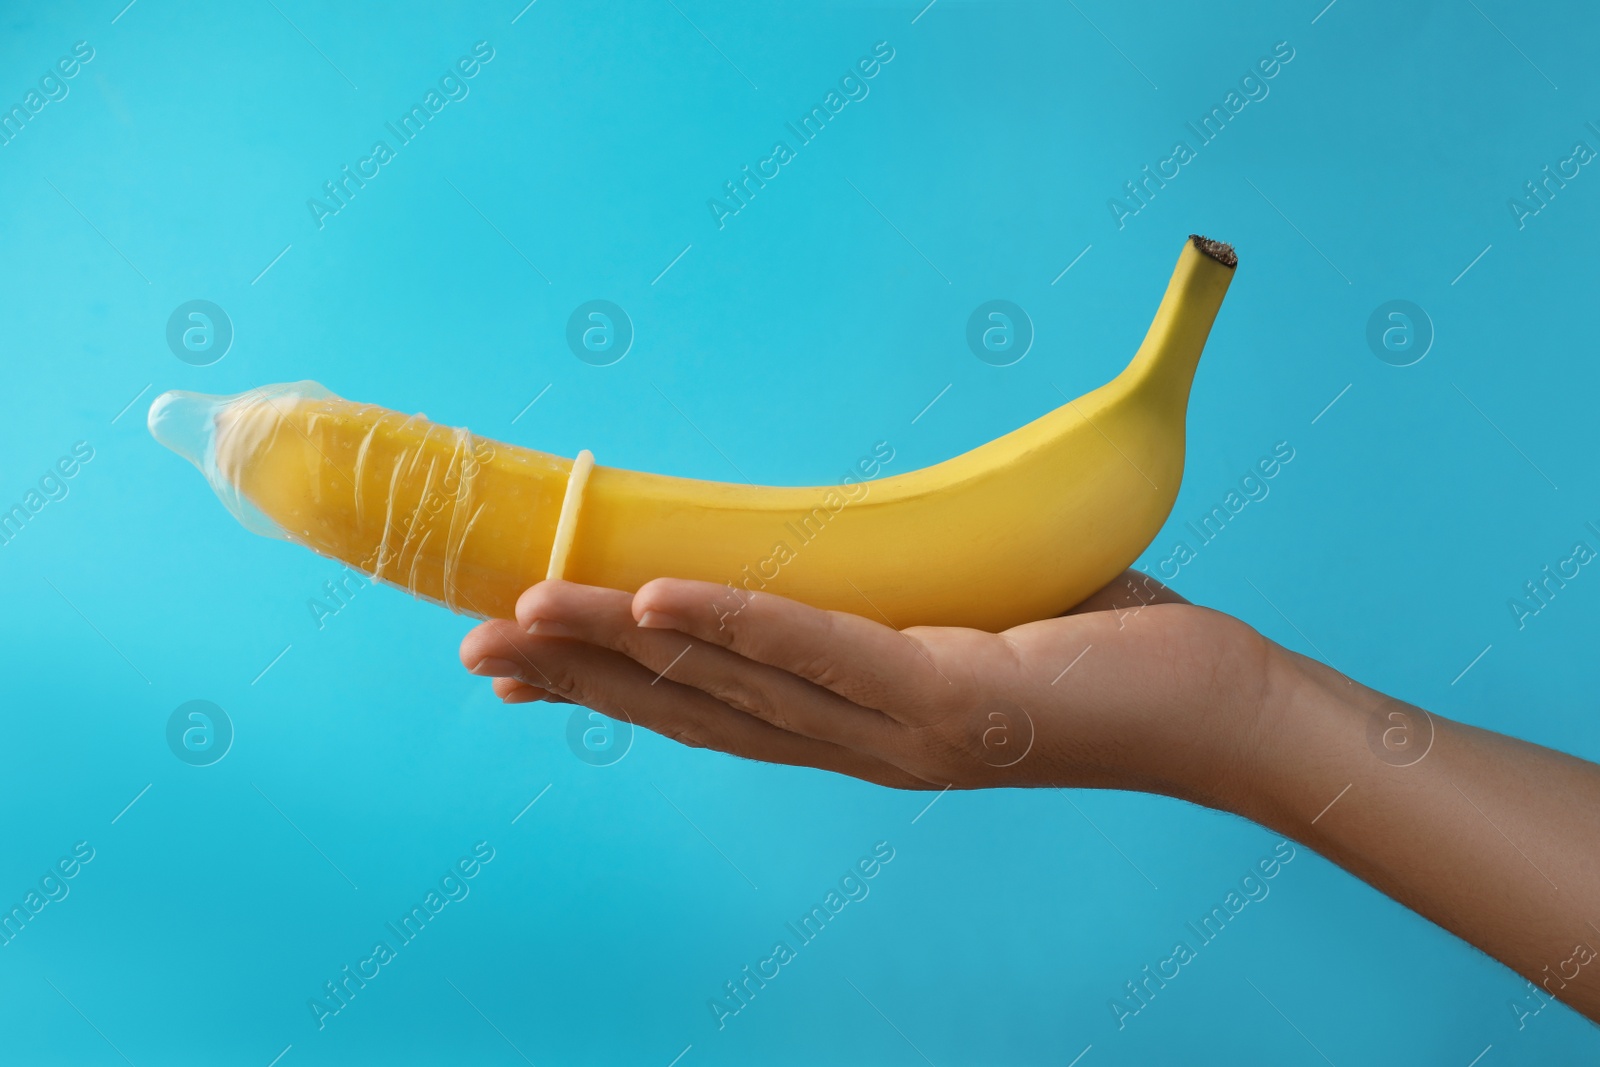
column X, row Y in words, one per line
column 1494, row 839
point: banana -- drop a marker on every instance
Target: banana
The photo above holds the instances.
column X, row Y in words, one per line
column 1021, row 528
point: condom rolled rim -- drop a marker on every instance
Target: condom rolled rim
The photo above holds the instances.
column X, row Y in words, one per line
column 567, row 523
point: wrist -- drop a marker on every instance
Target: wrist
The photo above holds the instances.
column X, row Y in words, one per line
column 1191, row 726
column 1309, row 741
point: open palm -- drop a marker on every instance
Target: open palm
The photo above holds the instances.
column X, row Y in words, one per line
column 1126, row 691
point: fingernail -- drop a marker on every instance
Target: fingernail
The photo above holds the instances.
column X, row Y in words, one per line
column 549, row 628
column 659, row 620
column 495, row 668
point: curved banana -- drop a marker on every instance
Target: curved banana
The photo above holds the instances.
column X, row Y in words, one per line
column 1021, row 528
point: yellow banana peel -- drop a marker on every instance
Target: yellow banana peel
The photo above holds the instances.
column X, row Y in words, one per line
column 1021, row 528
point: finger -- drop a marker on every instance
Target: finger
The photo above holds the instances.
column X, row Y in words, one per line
column 495, row 649
column 1129, row 591
column 514, row 691
column 616, row 685
column 604, row 617
column 518, row 693
column 865, row 662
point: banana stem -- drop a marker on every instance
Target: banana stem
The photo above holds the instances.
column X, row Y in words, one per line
column 1163, row 368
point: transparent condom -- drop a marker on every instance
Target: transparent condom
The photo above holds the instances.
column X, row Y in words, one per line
column 186, row 423
column 392, row 495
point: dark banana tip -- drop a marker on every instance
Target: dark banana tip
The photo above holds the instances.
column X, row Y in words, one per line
column 1221, row 252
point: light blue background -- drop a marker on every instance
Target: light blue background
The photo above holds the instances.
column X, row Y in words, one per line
column 805, row 330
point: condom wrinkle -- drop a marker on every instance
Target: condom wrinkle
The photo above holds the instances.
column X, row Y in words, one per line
column 462, row 516
column 385, row 553
column 363, row 451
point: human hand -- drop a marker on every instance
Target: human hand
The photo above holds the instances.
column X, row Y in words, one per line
column 1135, row 689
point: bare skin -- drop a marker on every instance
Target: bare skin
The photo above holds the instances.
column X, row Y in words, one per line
column 1494, row 839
